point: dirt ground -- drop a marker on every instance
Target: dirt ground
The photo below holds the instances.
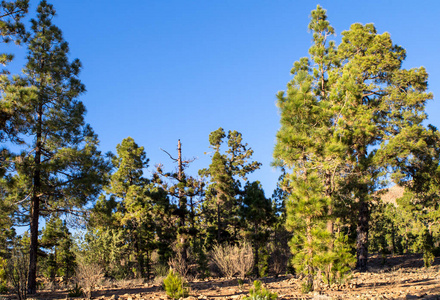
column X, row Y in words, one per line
column 401, row 277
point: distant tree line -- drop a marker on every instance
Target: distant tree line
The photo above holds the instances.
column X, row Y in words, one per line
column 352, row 124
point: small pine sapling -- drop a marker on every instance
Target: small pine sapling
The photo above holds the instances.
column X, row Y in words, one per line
column 175, row 286
column 260, row 293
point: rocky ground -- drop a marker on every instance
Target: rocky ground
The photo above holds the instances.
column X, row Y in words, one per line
column 401, row 277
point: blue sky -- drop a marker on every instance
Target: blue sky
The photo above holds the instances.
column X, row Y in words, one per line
column 160, row 71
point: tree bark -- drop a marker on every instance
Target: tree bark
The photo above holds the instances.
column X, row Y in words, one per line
column 310, row 253
column 35, row 208
column 362, row 236
column 256, row 256
column 182, row 204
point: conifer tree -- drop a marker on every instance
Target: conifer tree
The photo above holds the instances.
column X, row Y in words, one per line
column 182, row 187
column 414, row 154
column 342, row 102
column 11, row 111
column 257, row 215
column 60, row 168
column 379, row 102
column 221, row 205
column 57, row 242
column 131, row 189
column 307, row 146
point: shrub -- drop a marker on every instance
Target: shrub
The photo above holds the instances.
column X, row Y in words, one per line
column 260, row 293
column 17, row 269
column 233, row 259
column 175, row 286
column 180, row 265
column 88, row 276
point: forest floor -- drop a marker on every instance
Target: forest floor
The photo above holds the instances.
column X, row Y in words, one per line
column 400, row 277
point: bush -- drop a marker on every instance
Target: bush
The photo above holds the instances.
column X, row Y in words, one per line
column 260, row 293
column 175, row 286
column 17, row 270
column 233, row 259
column 88, row 276
column 179, row 265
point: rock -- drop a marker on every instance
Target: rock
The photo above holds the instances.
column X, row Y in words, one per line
column 115, row 297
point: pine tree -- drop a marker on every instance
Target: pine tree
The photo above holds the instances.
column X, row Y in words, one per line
column 57, row 242
column 257, row 215
column 416, row 166
column 12, row 29
column 343, row 102
column 134, row 212
column 309, row 150
column 184, row 188
column 379, row 104
column 60, row 168
column 221, row 204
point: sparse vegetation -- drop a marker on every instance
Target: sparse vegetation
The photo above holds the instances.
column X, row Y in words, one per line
column 352, row 123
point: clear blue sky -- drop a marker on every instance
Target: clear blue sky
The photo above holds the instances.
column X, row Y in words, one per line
column 164, row 70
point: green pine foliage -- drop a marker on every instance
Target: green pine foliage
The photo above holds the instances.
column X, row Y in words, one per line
column 59, row 168
column 257, row 217
column 227, row 169
column 57, row 242
column 175, row 286
column 350, row 114
column 258, row 292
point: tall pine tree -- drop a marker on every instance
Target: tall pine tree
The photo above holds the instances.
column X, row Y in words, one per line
column 60, row 168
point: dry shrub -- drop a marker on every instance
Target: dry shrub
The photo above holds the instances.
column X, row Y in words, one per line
column 16, row 271
column 233, row 259
column 88, row 276
column 179, row 265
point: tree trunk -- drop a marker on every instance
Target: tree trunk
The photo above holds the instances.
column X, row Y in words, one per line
column 35, row 208
column 362, row 236
column 256, row 256
column 310, row 254
column 139, row 256
column 182, row 205
column 218, row 223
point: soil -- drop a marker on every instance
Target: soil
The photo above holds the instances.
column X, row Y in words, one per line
column 399, row 277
